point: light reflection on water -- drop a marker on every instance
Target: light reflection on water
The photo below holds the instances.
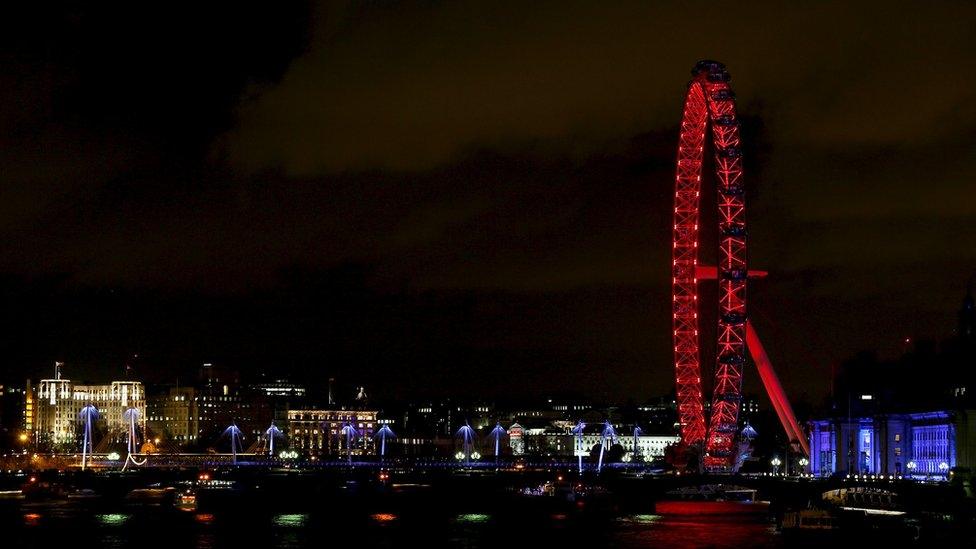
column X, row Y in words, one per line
column 112, row 519
column 290, row 520
column 475, row 518
column 639, row 519
column 51, row 527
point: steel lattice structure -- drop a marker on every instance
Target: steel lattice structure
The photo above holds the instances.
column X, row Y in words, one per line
column 710, row 102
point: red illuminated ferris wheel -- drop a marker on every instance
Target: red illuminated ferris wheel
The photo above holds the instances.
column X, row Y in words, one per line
column 711, row 103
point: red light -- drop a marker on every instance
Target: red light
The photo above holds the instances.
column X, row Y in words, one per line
column 708, row 102
column 700, row 108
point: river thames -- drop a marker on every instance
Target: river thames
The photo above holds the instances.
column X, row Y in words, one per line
column 74, row 526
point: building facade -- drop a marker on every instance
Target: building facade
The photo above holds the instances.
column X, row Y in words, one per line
column 15, row 408
column 174, row 415
column 56, row 404
column 565, row 444
column 557, row 440
column 921, row 444
column 319, row 432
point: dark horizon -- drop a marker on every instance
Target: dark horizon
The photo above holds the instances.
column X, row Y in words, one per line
column 468, row 200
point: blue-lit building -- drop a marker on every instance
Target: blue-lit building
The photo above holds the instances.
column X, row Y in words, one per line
column 922, row 444
column 914, row 416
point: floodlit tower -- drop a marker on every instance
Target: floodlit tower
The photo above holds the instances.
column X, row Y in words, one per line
column 607, row 436
column 466, row 434
column 384, row 433
column 350, row 433
column 578, row 438
column 87, row 415
column 234, row 432
column 272, row 433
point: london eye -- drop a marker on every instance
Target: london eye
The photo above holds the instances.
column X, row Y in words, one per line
column 710, row 103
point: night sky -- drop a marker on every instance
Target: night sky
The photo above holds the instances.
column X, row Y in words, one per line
column 433, row 198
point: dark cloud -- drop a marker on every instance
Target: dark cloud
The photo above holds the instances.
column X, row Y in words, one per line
column 409, row 86
column 487, row 185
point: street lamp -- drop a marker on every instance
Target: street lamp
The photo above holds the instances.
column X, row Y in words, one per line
column 775, row 462
column 911, row 466
column 803, row 464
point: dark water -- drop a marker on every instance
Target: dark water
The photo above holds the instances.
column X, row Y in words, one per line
column 329, row 526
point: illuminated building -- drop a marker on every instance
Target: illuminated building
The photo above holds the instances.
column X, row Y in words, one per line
column 56, row 403
column 174, row 414
column 659, row 415
column 279, row 388
column 430, row 420
column 516, row 439
column 318, row 432
column 30, row 402
column 279, row 395
column 197, row 415
column 915, row 415
column 922, row 444
column 222, row 400
column 558, row 440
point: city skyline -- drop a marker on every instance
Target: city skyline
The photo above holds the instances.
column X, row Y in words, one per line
column 194, row 211
column 465, row 273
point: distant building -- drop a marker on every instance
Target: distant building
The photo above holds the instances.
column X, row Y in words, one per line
column 280, row 395
column 659, row 415
column 557, row 440
column 553, row 409
column 56, row 403
column 433, row 419
column 174, row 415
column 279, row 388
column 13, row 414
column 319, row 432
column 222, row 400
column 748, row 406
column 914, row 416
column 922, row 444
column 516, row 439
